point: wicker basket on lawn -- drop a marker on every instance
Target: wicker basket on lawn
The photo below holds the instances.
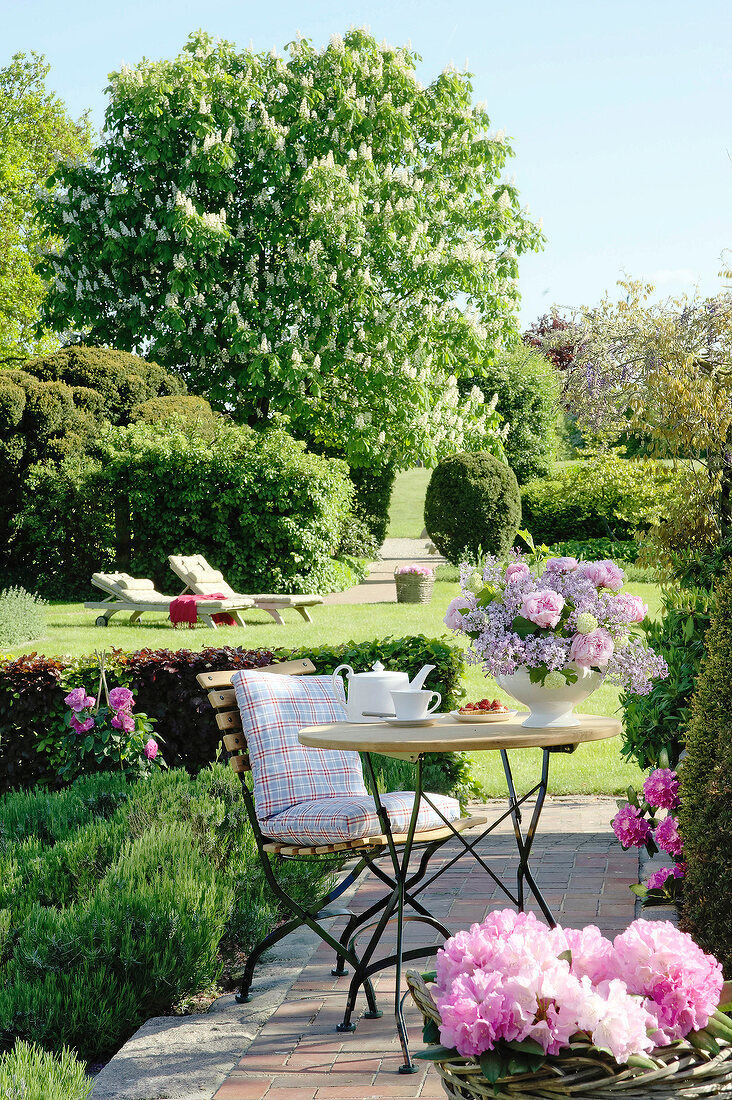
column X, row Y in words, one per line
column 413, row 587
column 683, row 1072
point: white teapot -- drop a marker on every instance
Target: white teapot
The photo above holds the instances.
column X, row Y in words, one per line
column 368, row 695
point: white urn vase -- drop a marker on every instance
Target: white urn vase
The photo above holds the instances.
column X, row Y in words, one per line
column 550, row 707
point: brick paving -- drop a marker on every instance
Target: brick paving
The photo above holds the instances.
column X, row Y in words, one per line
column 298, row 1055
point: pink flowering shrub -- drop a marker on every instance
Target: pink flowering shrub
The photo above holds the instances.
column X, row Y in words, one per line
column 415, row 570
column 103, row 737
column 638, row 823
column 513, row 980
column 554, row 617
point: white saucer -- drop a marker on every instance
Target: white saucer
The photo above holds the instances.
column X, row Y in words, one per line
column 483, row 716
column 428, row 721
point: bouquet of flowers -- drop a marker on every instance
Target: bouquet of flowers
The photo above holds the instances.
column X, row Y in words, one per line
column 553, row 618
column 414, row 571
column 650, row 821
column 512, row 997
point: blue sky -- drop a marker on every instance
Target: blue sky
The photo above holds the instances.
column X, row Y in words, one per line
column 619, row 113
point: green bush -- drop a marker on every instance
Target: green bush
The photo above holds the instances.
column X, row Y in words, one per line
column 705, row 816
column 22, row 617
column 29, row 1073
column 357, row 540
column 625, row 551
column 605, row 497
column 52, row 409
column 472, row 506
column 527, row 387
column 372, row 496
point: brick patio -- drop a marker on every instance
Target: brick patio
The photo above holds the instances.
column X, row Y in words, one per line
column 298, row 1055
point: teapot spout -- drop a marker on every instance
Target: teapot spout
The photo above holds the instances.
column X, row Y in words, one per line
column 418, row 681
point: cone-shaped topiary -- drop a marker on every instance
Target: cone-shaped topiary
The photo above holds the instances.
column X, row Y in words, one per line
column 472, row 506
column 705, row 817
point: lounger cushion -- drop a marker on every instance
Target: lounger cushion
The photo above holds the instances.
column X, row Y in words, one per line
column 330, row 820
column 125, row 582
column 284, row 772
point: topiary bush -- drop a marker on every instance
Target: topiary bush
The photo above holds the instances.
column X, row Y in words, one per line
column 29, row 1073
column 705, row 815
column 372, row 496
column 472, row 506
column 605, row 497
column 22, row 617
column 528, row 390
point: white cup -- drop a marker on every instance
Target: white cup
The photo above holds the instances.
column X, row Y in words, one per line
column 414, row 705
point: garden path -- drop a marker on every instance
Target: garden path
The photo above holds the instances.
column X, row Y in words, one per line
column 378, row 586
column 297, row 1055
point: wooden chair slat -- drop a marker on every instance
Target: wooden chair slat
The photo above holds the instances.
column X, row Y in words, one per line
column 234, row 741
column 222, row 698
column 240, row 763
column 228, row 720
column 215, row 680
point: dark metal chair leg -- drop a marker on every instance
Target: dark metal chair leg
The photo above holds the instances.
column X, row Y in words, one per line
column 242, row 996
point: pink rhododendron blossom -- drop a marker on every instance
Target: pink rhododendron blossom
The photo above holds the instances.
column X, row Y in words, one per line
column 121, row 698
column 543, row 608
column 667, row 836
column 592, row 953
column 629, row 608
column 632, row 830
column 516, row 570
column 561, row 565
column 603, row 574
column 618, row 1022
column 592, row 650
column 78, row 700
column 657, row 880
column 123, row 720
column 81, row 727
column 681, row 983
column 453, row 617
column 661, row 789
column 151, row 749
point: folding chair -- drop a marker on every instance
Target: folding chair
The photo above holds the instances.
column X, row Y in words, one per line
column 304, row 802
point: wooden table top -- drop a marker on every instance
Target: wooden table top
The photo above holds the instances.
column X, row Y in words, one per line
column 448, row 735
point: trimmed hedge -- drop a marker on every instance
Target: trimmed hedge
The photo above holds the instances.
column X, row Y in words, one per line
column 705, row 815
column 472, row 506
column 373, row 487
column 605, row 497
column 164, row 682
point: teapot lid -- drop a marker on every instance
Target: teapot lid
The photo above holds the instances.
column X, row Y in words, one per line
column 378, row 670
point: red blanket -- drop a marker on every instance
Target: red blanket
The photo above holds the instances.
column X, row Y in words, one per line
column 183, row 610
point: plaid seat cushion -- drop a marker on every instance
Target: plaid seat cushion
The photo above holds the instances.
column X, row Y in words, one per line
column 285, row 773
column 329, row 820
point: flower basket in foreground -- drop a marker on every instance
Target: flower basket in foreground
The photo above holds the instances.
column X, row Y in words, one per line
column 519, row 1011
column 682, row 1071
column 414, row 583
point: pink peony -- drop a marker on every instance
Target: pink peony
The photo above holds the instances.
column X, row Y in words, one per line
column 516, row 570
column 661, row 789
column 561, row 565
column 121, row 698
column 543, row 608
column 123, row 720
column 632, row 830
column 592, row 650
column 628, row 608
column 681, row 984
column 667, row 836
column 603, row 574
column 82, row 727
column 453, row 617
column 78, row 700
column 151, row 749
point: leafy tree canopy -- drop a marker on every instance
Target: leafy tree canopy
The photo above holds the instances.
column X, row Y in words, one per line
column 320, row 236
column 35, row 133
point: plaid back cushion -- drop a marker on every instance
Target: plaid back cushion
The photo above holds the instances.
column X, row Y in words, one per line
column 285, row 773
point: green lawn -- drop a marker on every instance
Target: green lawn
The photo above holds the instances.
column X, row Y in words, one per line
column 406, row 513
column 592, row 769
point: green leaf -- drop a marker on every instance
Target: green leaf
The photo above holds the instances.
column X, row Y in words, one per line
column 430, row 1032
column 427, row 975
column 638, row 1061
column 437, row 1054
column 491, row 1065
column 523, row 627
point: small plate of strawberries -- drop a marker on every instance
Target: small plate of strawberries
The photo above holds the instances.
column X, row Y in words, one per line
column 486, row 710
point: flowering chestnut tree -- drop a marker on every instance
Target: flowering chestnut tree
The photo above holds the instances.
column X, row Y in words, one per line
column 318, row 236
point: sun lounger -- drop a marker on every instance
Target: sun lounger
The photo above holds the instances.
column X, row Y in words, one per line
column 200, row 578
column 126, row 593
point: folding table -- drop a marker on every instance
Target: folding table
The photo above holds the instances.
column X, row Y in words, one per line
column 448, row 735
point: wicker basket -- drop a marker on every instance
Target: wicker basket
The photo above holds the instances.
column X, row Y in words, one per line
column 682, row 1072
column 413, row 587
